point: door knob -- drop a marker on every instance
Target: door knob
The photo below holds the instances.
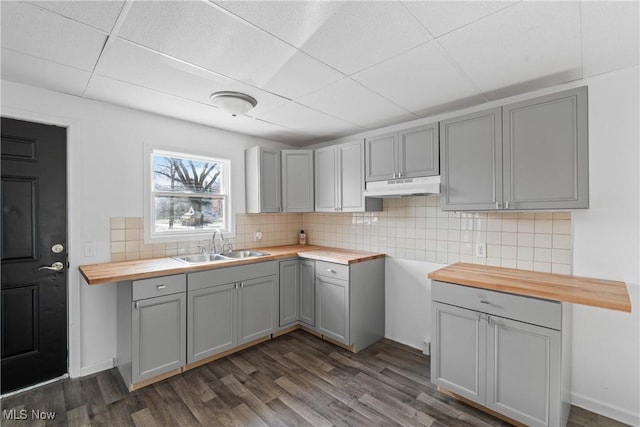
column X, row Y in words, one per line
column 56, row 266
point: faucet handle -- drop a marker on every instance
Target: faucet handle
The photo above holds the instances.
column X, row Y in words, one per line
column 203, row 249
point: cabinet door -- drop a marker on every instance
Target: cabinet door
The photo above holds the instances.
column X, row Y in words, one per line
column 211, row 323
column 270, row 187
column 307, row 292
column 257, row 308
column 418, row 152
column 381, row 163
column 297, row 180
column 332, row 308
column 471, row 161
column 523, row 371
column 325, row 176
column 351, row 177
column 458, row 359
column 289, row 291
column 159, row 341
column 546, row 152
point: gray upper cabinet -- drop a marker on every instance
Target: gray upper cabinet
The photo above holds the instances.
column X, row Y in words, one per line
column 262, row 180
column 528, row 155
column 297, row 180
column 545, row 152
column 471, row 156
column 339, row 179
column 409, row 153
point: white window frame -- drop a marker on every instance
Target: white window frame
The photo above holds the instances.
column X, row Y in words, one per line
column 150, row 235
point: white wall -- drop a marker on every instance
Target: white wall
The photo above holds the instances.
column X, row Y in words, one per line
column 106, row 180
column 606, row 344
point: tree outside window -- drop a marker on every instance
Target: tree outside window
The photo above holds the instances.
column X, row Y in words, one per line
column 189, row 194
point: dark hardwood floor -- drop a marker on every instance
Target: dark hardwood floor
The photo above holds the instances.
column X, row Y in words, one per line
column 293, row 380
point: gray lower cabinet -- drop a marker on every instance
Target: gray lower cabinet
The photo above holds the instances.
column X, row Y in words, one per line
column 506, row 352
column 349, row 302
column 289, row 291
column 527, row 155
column 229, row 307
column 408, row 153
column 151, row 327
column 307, row 292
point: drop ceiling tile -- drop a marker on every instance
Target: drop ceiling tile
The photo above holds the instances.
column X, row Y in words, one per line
column 109, row 90
column 441, row 17
column 131, row 63
column 301, row 75
column 300, row 118
column 520, row 48
column 33, row 31
column 610, row 36
column 355, row 104
column 21, row 68
column 361, row 34
column 200, row 33
column 422, row 80
column 98, row 14
column 292, row 21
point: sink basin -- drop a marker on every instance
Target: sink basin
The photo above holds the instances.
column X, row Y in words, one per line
column 200, row 259
column 242, row 254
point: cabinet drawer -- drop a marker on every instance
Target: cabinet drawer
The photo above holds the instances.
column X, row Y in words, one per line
column 330, row 269
column 525, row 309
column 222, row 276
column 158, row 286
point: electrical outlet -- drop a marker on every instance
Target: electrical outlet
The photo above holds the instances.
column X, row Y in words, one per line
column 257, row 236
column 481, row 250
column 89, row 249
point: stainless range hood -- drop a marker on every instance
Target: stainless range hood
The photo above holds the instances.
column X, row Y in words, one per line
column 424, row 186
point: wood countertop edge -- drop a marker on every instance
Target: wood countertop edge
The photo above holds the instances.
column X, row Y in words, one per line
column 588, row 291
column 144, row 269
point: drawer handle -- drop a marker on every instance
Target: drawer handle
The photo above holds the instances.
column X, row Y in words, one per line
column 331, row 270
column 161, row 286
column 484, row 301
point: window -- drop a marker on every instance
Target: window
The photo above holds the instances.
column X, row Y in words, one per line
column 189, row 196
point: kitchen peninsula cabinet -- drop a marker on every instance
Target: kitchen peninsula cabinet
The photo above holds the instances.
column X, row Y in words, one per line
column 350, row 302
column 527, row 155
column 339, row 179
column 229, row 307
column 408, row 153
column 151, row 327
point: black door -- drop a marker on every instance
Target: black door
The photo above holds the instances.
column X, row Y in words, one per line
column 34, row 253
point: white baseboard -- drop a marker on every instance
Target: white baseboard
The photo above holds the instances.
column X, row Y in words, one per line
column 608, row 410
column 96, row 367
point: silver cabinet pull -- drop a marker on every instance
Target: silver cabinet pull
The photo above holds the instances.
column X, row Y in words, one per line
column 242, row 284
column 506, row 204
column 161, row 286
column 331, row 270
column 56, row 266
column 484, row 301
column 135, row 305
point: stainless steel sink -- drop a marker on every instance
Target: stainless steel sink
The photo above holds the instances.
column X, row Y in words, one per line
column 242, row 254
column 207, row 258
column 201, row 259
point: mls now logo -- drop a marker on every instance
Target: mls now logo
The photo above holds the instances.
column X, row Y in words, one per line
column 23, row 414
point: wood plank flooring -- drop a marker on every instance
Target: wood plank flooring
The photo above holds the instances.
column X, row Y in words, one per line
column 293, row 380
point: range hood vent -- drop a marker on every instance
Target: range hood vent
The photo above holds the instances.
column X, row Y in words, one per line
column 425, row 186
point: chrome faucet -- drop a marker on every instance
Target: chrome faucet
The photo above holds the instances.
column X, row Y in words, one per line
column 213, row 241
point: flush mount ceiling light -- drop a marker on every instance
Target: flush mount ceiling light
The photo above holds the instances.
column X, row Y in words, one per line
column 234, row 103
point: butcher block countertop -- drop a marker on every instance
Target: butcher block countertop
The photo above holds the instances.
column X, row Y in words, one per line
column 557, row 287
column 96, row 274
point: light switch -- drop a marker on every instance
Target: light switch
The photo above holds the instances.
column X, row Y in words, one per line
column 89, row 249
